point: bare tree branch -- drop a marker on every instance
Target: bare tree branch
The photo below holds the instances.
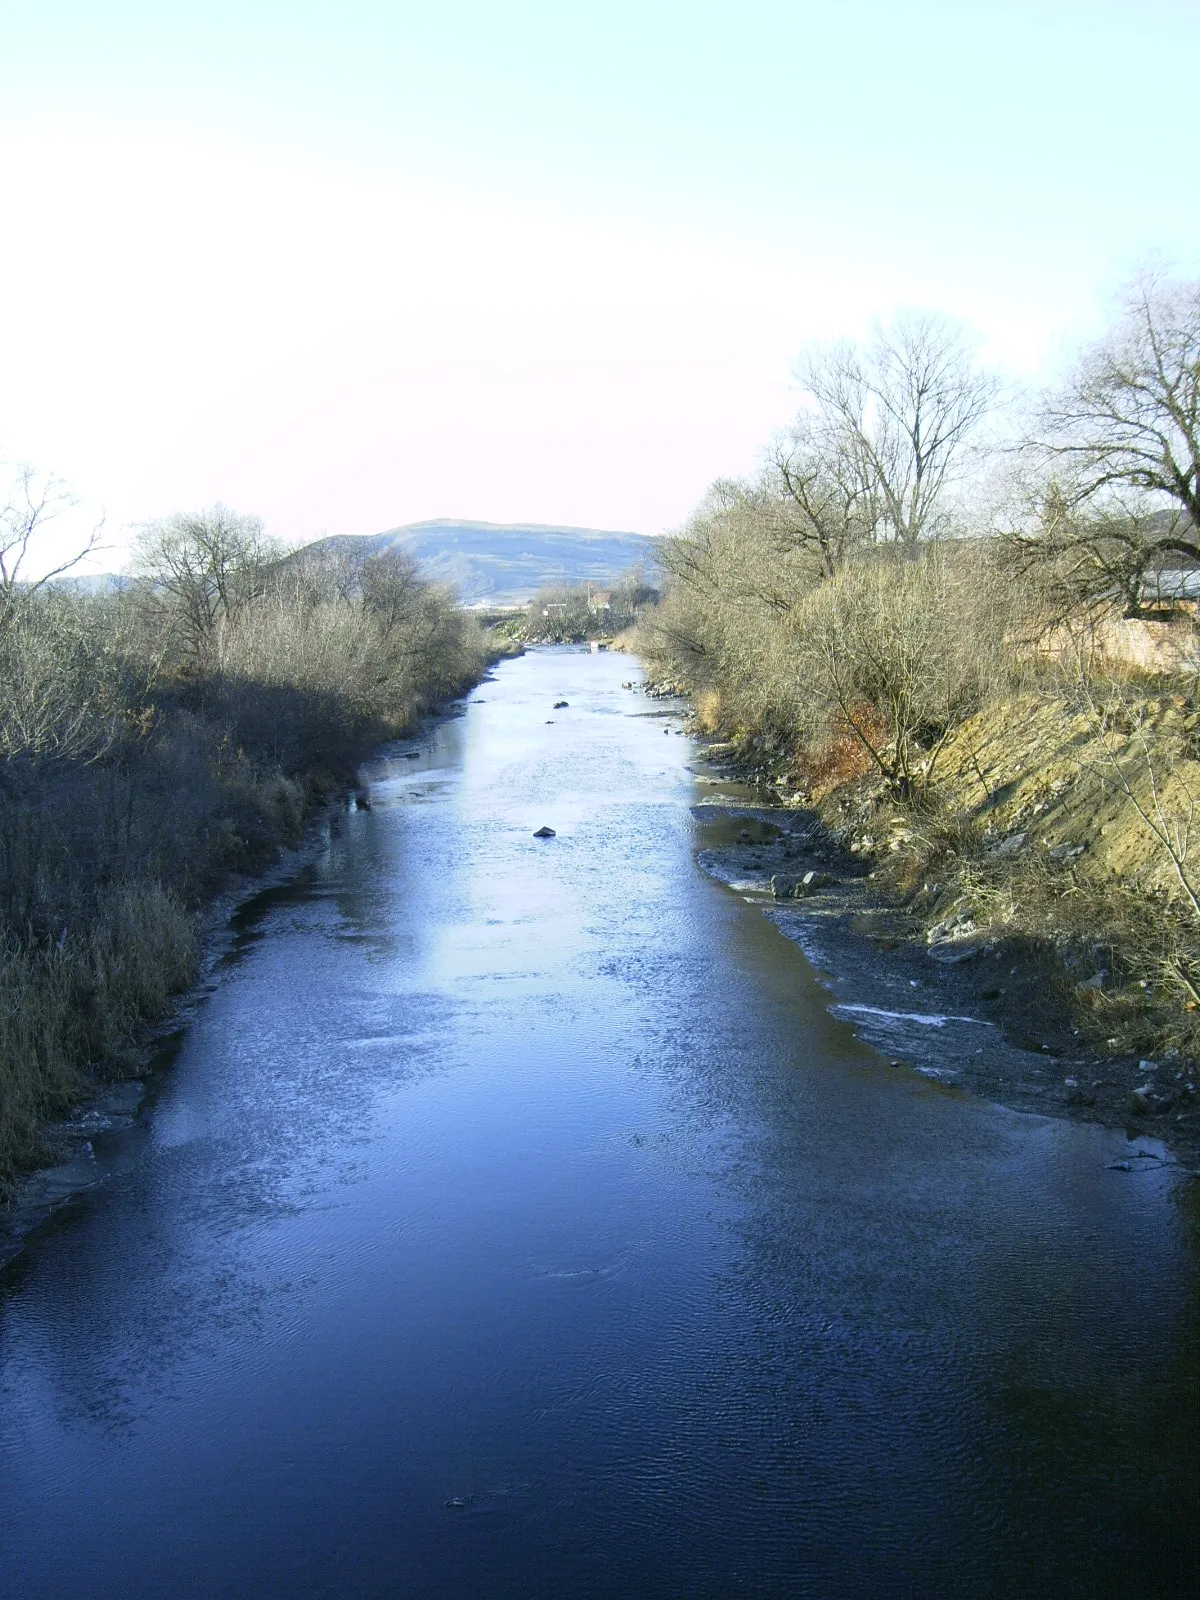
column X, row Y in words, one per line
column 32, row 503
column 900, row 415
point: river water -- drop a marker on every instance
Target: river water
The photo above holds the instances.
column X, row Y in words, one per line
column 515, row 1221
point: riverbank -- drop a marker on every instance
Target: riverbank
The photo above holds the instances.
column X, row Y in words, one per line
column 70, row 1154
column 980, row 1012
column 53, row 1156
column 151, row 752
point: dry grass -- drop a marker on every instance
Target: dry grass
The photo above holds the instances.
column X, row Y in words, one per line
column 80, row 1001
column 1120, row 957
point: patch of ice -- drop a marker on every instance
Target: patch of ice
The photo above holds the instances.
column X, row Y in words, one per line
column 933, row 1019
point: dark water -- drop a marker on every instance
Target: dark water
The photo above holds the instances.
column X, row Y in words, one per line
column 515, row 1221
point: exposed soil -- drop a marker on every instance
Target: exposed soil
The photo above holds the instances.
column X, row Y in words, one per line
column 984, row 1014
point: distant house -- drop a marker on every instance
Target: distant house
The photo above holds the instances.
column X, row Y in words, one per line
column 1178, row 586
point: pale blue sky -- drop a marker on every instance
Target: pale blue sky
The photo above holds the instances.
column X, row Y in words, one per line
column 358, row 264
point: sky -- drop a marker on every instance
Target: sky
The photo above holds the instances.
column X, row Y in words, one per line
column 352, row 266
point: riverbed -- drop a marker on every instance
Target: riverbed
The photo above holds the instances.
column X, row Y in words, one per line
column 515, row 1219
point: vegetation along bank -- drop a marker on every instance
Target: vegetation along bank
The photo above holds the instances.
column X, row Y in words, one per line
column 967, row 654
column 159, row 738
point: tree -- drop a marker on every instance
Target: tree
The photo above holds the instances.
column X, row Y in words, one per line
column 204, row 567
column 32, row 502
column 823, row 501
column 890, row 423
column 746, row 544
column 1121, row 442
column 1128, row 417
column 392, row 588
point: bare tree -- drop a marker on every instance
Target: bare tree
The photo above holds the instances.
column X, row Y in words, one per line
column 1089, row 560
column 392, row 588
column 747, row 543
column 824, row 501
column 1121, row 442
column 32, row 503
column 204, row 567
column 898, row 416
column 1129, row 415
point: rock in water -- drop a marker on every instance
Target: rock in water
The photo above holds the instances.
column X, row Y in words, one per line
column 545, row 833
column 811, row 882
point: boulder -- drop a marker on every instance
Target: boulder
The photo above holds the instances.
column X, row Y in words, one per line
column 1146, row 1101
column 813, row 881
column 1010, row 846
column 545, row 833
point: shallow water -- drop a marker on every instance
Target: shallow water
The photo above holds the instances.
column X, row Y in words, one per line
column 517, row 1221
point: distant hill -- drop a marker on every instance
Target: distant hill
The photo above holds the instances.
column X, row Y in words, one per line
column 506, row 563
column 93, row 583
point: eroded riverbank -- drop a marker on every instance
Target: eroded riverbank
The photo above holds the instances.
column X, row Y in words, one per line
column 976, row 1013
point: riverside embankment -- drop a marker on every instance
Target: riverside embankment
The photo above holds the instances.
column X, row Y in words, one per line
column 148, row 763
column 1026, row 887
column 515, row 1218
column 969, row 1007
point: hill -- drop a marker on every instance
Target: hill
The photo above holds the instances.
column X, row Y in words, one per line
column 506, row 563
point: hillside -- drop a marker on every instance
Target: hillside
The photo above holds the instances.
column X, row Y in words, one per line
column 505, row 564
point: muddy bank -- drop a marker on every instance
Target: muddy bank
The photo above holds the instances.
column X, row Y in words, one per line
column 978, row 1014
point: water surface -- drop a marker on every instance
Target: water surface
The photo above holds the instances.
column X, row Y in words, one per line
column 516, row 1221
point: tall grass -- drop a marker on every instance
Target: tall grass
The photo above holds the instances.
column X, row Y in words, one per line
column 79, row 1000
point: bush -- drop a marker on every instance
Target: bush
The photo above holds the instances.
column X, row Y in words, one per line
column 894, row 652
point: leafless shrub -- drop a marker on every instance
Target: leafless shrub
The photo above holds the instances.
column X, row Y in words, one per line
column 896, row 647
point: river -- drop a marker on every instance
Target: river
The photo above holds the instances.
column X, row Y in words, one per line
column 514, row 1220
